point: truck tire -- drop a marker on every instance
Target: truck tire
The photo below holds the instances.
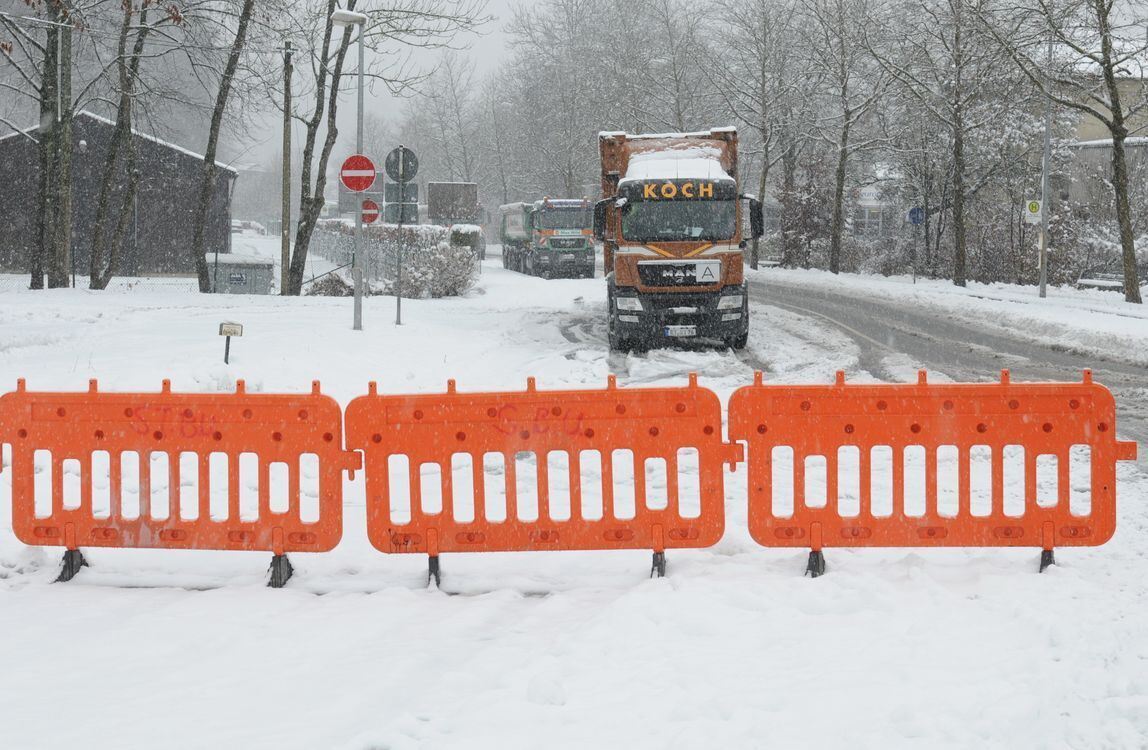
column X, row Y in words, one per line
column 737, row 343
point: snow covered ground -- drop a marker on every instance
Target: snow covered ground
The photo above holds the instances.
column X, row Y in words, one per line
column 1084, row 320
column 894, row 648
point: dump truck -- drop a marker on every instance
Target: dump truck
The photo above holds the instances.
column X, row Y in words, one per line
column 553, row 238
column 670, row 221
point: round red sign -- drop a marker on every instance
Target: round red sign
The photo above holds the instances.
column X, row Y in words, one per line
column 370, row 212
column 357, row 173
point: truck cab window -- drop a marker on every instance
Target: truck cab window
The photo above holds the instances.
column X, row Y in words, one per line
column 558, row 218
column 667, row 221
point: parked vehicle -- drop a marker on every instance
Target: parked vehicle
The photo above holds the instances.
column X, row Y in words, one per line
column 552, row 238
column 670, row 220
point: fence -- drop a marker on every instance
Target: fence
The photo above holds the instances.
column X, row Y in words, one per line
column 927, row 465
column 542, row 470
column 844, row 465
column 222, row 471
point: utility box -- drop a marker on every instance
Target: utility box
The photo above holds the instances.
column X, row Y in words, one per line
column 240, row 274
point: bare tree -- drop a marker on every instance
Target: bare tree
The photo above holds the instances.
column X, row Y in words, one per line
column 850, row 89
column 1097, row 68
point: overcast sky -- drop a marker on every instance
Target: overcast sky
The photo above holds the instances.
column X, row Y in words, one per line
column 486, row 51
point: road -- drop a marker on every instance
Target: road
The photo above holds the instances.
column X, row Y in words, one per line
column 962, row 351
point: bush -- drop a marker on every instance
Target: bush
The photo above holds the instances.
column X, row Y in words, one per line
column 432, row 265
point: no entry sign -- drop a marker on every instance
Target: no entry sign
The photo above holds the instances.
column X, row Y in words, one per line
column 370, row 212
column 357, row 173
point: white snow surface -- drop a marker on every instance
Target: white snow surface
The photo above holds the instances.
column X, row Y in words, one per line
column 1082, row 320
column 891, row 649
column 692, row 162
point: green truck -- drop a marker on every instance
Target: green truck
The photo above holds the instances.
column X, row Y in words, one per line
column 552, row 238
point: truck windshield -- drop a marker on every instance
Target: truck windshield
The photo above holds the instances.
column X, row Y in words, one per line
column 669, row 221
column 566, row 218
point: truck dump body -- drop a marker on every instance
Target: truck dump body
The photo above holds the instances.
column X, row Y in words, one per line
column 672, row 237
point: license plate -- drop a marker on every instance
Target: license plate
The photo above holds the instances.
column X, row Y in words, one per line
column 567, row 256
column 681, row 331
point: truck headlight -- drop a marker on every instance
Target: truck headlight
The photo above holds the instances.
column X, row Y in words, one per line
column 729, row 302
column 628, row 303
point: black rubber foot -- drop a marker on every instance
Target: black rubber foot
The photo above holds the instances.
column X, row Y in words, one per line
column 1046, row 559
column 281, row 571
column 73, row 561
column 434, row 572
column 816, row 565
column 658, row 570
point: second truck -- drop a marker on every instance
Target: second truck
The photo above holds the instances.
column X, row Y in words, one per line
column 670, row 221
column 551, row 238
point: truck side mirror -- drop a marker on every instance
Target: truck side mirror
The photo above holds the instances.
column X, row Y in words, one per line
column 756, row 218
column 600, row 218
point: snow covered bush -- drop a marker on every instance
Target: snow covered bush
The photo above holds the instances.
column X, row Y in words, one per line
column 432, row 265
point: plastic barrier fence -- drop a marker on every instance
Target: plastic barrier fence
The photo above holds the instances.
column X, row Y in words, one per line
column 970, row 465
column 634, row 468
column 220, row 471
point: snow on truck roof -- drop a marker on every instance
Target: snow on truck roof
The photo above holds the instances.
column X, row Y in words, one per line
column 692, row 162
column 646, row 136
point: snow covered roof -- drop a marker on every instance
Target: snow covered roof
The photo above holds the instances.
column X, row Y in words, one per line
column 1133, row 141
column 692, row 162
column 137, row 133
column 237, row 259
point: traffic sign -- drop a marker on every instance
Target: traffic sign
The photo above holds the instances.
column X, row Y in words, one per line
column 407, row 213
column 357, row 173
column 916, row 215
column 410, row 193
column 401, row 165
column 1032, row 212
column 370, row 212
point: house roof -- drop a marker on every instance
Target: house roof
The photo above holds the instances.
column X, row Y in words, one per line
column 137, row 133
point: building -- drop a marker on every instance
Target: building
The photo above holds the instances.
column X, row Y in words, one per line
column 159, row 234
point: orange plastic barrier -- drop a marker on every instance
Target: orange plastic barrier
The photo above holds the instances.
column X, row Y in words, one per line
column 486, row 472
column 220, row 471
column 980, row 465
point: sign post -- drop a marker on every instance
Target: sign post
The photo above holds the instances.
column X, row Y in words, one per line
column 401, row 166
column 358, row 174
column 229, row 330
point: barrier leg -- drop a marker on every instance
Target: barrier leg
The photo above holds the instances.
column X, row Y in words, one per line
column 1046, row 559
column 73, row 561
column 816, row 565
column 434, row 573
column 281, row 571
column 659, row 567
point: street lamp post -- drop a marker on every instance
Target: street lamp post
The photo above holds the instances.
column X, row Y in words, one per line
column 347, row 18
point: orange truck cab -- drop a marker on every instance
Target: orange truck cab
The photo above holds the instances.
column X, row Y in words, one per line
column 670, row 221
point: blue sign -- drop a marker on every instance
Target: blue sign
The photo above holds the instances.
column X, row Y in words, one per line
column 916, row 215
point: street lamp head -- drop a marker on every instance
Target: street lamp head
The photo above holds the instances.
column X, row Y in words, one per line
column 348, row 18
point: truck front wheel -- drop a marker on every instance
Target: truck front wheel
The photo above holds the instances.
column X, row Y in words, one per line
column 738, row 343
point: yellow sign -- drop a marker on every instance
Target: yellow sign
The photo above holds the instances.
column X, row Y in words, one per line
column 1032, row 213
column 671, row 190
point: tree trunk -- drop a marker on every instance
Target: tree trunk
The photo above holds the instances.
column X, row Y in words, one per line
column 210, row 170
column 789, row 219
column 838, row 226
column 60, row 252
column 311, row 197
column 1124, row 217
column 959, row 259
column 104, row 255
column 45, row 217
